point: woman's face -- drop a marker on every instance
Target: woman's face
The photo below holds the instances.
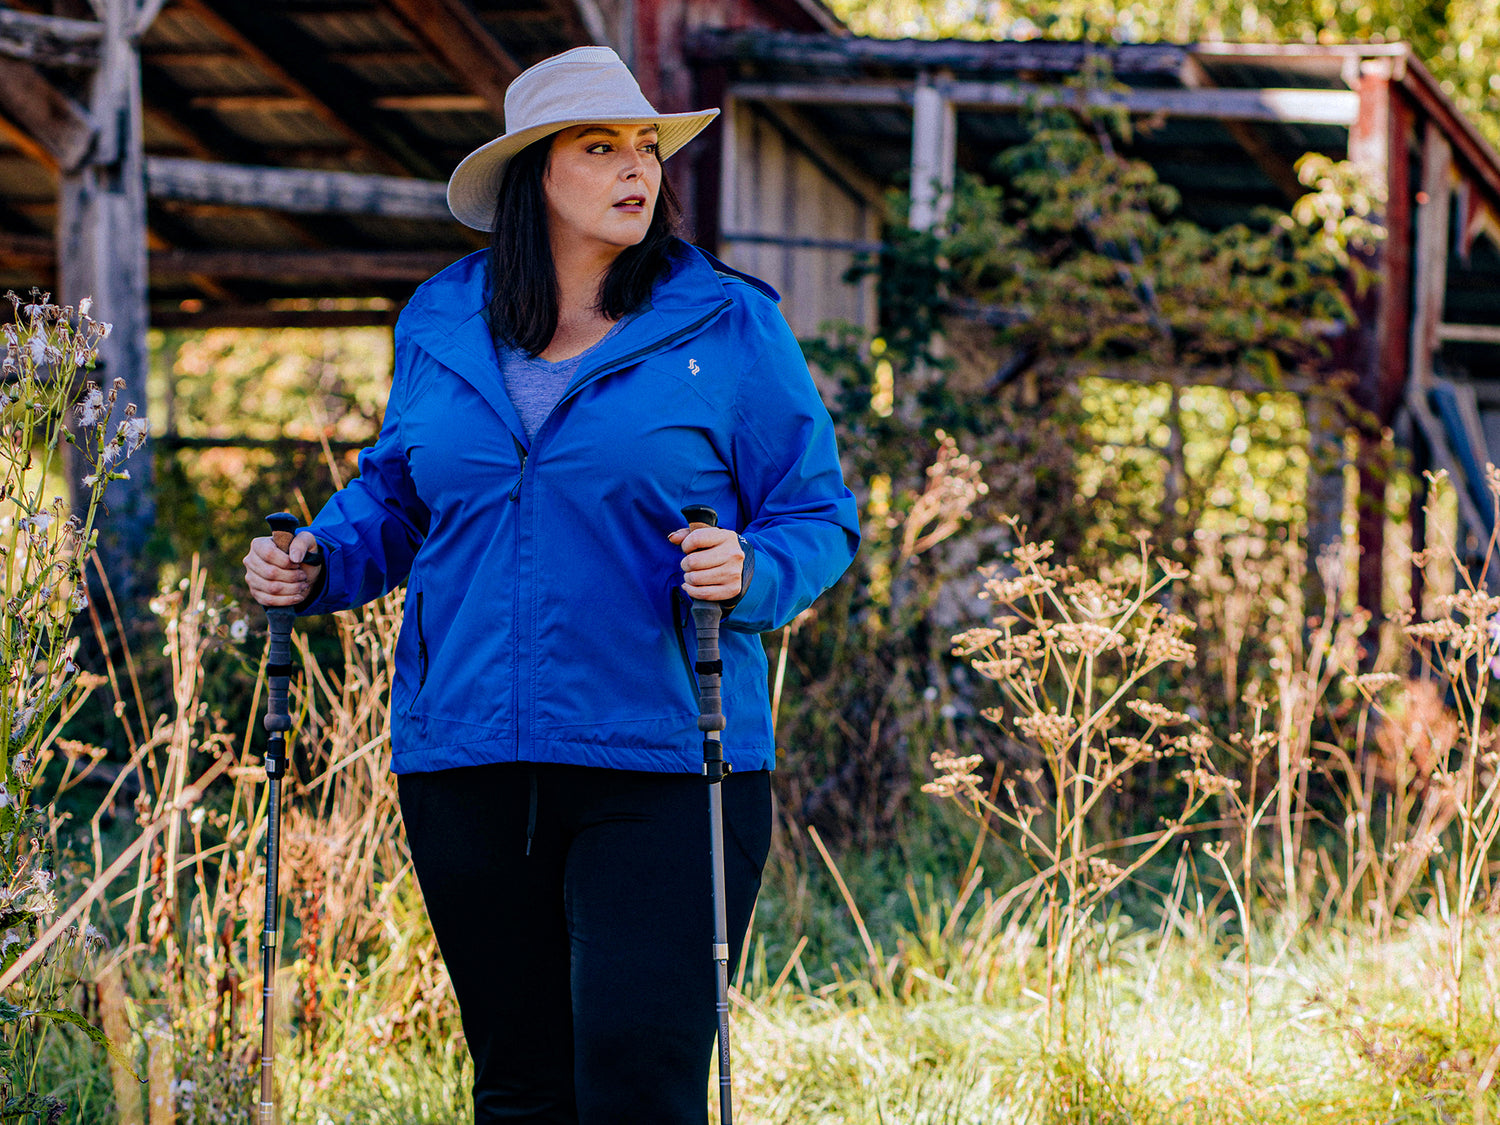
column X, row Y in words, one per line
column 601, row 185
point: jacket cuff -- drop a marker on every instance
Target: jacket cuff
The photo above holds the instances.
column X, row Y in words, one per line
column 319, row 585
column 747, row 575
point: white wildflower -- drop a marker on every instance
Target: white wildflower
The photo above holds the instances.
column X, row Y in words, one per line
column 239, row 629
column 79, row 601
column 91, row 409
column 132, row 432
column 37, row 346
column 85, row 305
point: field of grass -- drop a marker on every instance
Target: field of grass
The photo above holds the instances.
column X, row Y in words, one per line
column 1346, row 1029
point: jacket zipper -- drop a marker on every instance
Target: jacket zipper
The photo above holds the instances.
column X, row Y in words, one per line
column 641, row 353
column 515, row 492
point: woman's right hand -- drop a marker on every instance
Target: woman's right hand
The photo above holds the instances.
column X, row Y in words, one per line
column 277, row 577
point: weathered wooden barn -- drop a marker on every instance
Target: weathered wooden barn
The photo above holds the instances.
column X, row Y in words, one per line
column 228, row 162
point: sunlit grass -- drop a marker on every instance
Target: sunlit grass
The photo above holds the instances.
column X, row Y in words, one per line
column 1349, row 1029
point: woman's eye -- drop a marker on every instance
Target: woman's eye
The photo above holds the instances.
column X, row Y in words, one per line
column 649, row 148
column 601, row 147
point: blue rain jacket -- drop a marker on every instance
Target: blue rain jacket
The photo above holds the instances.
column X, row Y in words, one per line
column 539, row 620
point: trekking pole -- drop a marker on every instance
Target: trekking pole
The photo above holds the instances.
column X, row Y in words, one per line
column 710, row 669
column 279, row 669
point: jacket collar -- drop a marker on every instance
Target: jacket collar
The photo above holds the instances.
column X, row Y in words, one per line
column 446, row 319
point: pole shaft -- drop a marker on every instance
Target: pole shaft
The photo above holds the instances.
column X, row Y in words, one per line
column 277, row 722
column 721, row 947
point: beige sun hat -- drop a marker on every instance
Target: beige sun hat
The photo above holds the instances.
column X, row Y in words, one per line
column 584, row 86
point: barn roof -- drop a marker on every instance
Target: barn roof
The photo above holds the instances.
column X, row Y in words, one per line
column 393, row 88
column 1222, row 122
column 402, row 89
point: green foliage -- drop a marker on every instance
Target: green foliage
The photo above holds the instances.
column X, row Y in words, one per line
column 1142, row 379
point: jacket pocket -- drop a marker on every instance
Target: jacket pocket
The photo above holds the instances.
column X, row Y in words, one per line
column 421, row 651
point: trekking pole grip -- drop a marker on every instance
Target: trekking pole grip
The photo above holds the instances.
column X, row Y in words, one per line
column 279, row 648
column 709, row 665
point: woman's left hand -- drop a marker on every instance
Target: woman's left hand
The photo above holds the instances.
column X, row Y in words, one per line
column 713, row 562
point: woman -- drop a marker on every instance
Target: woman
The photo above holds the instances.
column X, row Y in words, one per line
column 557, row 400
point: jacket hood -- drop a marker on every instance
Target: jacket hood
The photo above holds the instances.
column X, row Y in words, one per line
column 446, row 315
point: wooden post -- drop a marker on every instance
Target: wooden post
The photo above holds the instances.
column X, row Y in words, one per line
column 101, row 253
column 934, row 139
column 1431, row 255
column 1377, row 144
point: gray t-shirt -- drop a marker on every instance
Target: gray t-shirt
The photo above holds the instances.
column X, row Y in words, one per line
column 535, row 384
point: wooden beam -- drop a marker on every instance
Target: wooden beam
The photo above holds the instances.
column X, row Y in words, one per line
column 206, row 137
column 19, row 139
column 52, row 119
column 841, row 54
column 289, row 56
column 454, row 36
column 874, row 93
column 252, row 103
column 1469, row 333
column 1293, row 106
column 295, row 189
column 433, row 103
column 305, row 265
column 49, row 40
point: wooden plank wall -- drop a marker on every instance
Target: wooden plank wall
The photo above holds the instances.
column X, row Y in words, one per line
column 776, row 188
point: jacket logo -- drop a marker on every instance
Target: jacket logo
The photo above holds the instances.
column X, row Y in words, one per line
column 693, row 366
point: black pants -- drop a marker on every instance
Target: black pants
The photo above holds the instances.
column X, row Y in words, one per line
column 583, row 970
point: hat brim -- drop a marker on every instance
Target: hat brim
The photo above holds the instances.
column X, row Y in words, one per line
column 475, row 183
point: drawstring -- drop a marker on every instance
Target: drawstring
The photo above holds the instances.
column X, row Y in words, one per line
column 531, row 811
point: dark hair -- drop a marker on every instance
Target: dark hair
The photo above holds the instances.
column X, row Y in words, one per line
column 522, row 277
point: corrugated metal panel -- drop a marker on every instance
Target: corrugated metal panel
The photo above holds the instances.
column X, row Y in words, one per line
column 392, row 76
column 238, row 229
column 213, row 75
column 345, row 30
column 175, row 27
column 280, row 128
